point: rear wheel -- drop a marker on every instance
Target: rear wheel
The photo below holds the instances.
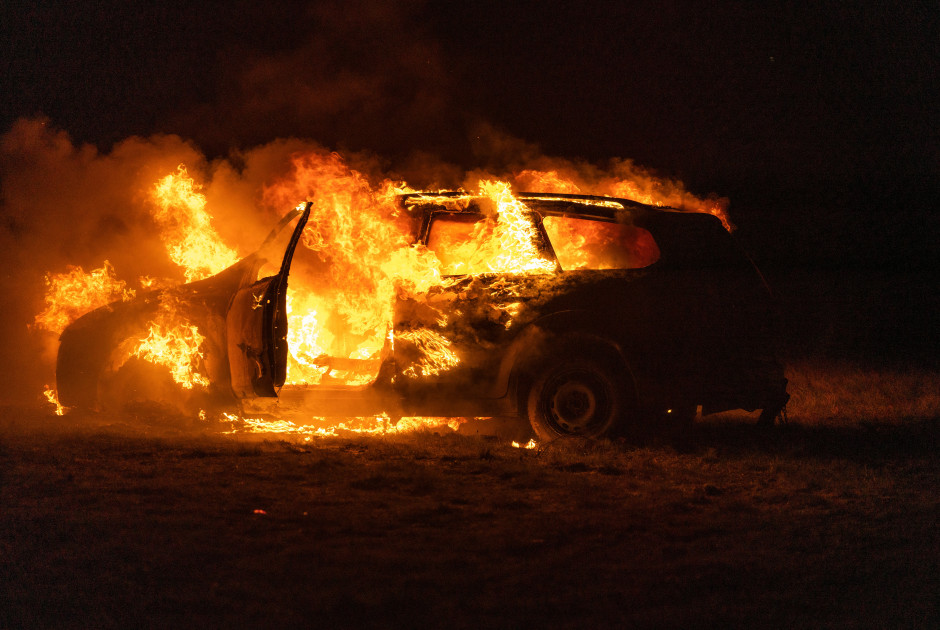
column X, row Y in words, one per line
column 578, row 397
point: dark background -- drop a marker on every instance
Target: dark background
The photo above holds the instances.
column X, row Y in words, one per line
column 817, row 121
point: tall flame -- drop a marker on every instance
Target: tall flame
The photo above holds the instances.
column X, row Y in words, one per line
column 341, row 298
column 516, row 250
column 342, row 285
column 179, row 210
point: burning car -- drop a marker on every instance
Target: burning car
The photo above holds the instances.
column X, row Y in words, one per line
column 584, row 314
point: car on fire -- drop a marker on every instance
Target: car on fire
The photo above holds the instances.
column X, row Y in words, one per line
column 638, row 316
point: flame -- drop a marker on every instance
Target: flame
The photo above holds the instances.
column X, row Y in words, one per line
column 343, row 280
column 513, row 241
column 586, row 244
column 547, row 181
column 322, row 427
column 435, row 349
column 306, row 338
column 357, row 255
column 71, row 294
column 53, row 398
column 179, row 210
column 174, row 344
column 530, row 445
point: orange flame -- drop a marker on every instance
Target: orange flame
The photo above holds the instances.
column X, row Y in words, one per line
column 174, row 344
column 186, row 228
column 322, row 427
column 530, row 445
column 360, row 256
column 342, row 284
column 513, row 245
column 623, row 180
column 71, row 294
column 546, row 181
column 437, row 355
column 192, row 243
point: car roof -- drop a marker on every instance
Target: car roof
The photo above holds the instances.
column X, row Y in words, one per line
column 584, row 206
column 695, row 238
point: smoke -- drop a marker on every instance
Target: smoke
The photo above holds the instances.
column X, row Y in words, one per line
column 529, row 169
column 65, row 205
column 365, row 74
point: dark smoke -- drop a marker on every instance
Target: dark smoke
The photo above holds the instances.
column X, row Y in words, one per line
column 363, row 75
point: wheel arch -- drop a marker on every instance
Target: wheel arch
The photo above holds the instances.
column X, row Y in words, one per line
column 86, row 348
column 558, row 334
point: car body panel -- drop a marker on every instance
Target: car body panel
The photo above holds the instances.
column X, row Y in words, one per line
column 256, row 326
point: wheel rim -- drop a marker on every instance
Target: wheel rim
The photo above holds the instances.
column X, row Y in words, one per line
column 577, row 402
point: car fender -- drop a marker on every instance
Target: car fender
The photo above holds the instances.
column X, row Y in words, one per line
column 97, row 342
column 543, row 338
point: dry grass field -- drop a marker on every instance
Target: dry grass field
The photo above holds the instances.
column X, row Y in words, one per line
column 827, row 521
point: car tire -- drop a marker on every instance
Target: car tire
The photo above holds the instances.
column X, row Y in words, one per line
column 578, row 397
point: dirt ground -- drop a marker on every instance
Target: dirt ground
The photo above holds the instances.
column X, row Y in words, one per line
column 117, row 524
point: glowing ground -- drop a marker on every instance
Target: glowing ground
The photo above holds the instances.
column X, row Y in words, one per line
column 119, row 525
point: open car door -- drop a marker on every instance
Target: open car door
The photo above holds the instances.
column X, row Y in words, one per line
column 256, row 324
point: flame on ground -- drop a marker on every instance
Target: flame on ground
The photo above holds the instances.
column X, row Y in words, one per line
column 323, row 427
column 52, row 398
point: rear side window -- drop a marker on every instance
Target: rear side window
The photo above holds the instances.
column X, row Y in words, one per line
column 589, row 244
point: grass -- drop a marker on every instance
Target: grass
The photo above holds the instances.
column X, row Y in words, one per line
column 840, row 393
column 828, row 521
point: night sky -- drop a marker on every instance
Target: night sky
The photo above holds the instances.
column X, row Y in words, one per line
column 825, row 112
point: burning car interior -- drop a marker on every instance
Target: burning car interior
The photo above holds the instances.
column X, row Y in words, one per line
column 583, row 315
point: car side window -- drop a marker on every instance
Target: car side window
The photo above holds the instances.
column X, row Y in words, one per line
column 459, row 241
column 591, row 244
